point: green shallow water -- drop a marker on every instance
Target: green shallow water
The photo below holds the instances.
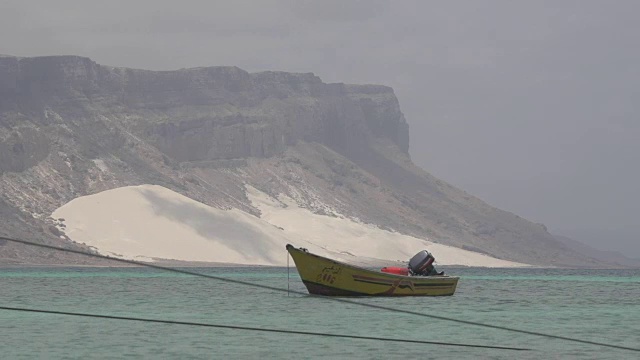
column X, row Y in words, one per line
column 596, row 305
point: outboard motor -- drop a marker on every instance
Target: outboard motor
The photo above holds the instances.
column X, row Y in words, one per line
column 422, row 264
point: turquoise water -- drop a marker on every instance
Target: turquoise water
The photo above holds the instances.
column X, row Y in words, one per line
column 597, row 305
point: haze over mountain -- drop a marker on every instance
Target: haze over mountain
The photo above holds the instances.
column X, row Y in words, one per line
column 530, row 105
column 71, row 127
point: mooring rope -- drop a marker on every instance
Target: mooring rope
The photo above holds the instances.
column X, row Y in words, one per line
column 282, row 331
column 347, row 301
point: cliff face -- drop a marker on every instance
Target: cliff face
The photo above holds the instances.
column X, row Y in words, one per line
column 205, row 113
column 70, row 127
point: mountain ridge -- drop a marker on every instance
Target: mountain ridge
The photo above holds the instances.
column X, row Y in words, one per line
column 72, row 127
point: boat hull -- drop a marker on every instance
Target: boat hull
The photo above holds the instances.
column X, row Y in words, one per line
column 323, row 276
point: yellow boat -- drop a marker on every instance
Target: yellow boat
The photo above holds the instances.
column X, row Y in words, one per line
column 323, row 276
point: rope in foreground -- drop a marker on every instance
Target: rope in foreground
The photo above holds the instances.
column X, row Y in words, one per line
column 232, row 327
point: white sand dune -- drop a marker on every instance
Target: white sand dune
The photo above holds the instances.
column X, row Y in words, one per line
column 340, row 236
column 151, row 222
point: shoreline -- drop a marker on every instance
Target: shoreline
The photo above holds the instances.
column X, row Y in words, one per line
column 292, row 266
column 173, row 265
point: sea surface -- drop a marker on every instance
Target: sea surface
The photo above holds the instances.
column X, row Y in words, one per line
column 594, row 305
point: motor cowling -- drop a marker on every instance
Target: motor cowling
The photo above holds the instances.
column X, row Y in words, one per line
column 422, row 263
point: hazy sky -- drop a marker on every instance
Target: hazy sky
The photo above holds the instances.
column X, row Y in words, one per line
column 534, row 106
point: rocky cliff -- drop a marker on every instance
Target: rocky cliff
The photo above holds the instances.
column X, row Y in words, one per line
column 70, row 127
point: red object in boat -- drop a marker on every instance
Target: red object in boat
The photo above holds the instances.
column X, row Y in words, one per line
column 395, row 270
